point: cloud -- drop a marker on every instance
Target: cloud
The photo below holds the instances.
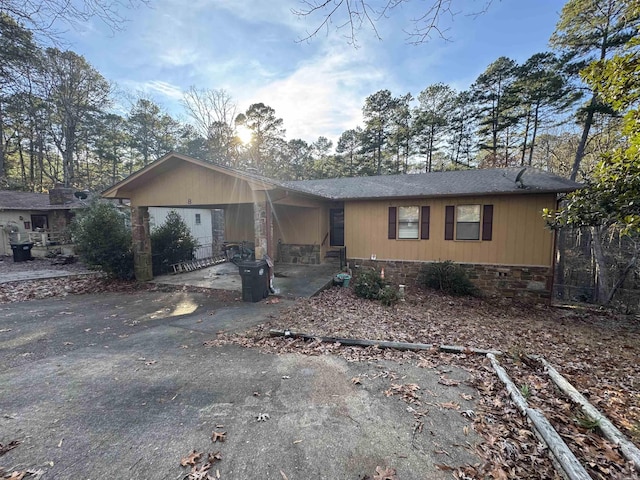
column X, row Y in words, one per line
column 155, row 89
column 324, row 95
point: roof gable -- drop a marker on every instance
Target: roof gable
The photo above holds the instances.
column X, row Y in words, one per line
column 174, row 160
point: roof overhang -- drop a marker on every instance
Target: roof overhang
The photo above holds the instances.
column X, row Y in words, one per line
column 173, row 160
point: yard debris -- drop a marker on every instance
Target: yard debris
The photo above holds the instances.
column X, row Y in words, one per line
column 448, row 381
column 9, row 446
column 214, row 457
column 218, row 436
column 408, row 392
column 385, row 473
column 262, row 417
column 191, row 459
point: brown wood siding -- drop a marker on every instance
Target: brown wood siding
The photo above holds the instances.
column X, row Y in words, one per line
column 238, row 223
column 296, row 225
column 193, row 185
column 519, row 236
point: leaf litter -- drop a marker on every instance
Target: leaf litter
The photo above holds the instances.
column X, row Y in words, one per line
column 596, row 351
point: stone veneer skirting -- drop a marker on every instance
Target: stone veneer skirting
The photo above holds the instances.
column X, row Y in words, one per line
column 525, row 283
column 304, row 254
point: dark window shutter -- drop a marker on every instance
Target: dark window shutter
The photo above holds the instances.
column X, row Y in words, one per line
column 449, row 214
column 487, row 222
column 392, row 222
column 424, row 223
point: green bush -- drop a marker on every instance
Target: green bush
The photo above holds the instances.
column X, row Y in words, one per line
column 103, row 240
column 171, row 243
column 368, row 284
column 448, row 277
column 389, row 296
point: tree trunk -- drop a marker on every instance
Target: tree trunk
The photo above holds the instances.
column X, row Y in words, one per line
column 2, row 154
column 559, row 281
column 621, row 278
column 601, row 271
column 526, row 138
column 536, row 121
column 583, row 139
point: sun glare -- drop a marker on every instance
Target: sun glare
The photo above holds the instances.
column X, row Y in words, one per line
column 244, row 134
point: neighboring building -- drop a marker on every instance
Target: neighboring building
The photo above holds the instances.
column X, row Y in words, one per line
column 37, row 217
column 201, row 223
column 487, row 220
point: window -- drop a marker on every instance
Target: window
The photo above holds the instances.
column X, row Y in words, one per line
column 39, row 222
column 197, row 219
column 408, row 218
column 468, row 222
column 409, row 223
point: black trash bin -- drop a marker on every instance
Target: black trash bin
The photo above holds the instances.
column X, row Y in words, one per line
column 255, row 280
column 22, row 251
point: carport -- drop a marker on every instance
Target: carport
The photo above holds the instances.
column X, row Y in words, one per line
column 288, row 226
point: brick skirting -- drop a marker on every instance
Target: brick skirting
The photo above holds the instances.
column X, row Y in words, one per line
column 524, row 283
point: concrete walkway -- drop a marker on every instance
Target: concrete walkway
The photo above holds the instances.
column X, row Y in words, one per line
column 39, row 275
column 291, row 281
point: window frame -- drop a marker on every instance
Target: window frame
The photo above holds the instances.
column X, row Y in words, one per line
column 421, row 220
column 485, row 233
column 408, row 223
column 198, row 219
column 477, row 223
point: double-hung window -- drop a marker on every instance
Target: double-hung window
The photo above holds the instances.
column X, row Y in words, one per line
column 408, row 222
column 470, row 222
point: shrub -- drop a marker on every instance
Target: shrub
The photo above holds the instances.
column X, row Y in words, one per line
column 368, row 283
column 103, row 240
column 389, row 296
column 171, row 243
column 448, row 277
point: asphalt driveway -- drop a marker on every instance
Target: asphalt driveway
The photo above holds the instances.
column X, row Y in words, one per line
column 121, row 386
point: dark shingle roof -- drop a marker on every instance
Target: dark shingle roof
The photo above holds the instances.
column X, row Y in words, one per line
column 12, row 200
column 497, row 181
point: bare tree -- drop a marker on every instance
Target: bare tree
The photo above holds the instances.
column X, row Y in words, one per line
column 353, row 15
column 214, row 113
column 49, row 18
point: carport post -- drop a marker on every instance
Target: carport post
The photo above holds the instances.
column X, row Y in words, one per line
column 141, row 243
column 263, row 228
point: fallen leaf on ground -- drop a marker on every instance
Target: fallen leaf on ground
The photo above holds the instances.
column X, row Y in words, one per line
column 385, row 473
column 449, row 382
column 218, row 436
column 9, row 446
column 214, row 457
column 191, row 459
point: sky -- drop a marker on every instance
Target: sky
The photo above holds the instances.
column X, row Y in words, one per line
column 253, row 50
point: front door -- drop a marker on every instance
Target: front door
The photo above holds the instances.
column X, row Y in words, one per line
column 336, row 227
